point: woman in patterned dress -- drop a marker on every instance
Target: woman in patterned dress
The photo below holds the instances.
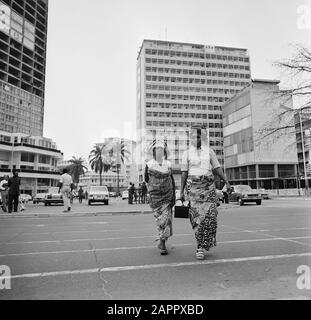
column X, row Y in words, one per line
column 161, row 187
column 197, row 186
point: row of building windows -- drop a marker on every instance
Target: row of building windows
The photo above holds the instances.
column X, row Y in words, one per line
column 183, row 106
column 184, row 115
column 187, row 97
column 192, row 64
column 194, row 89
column 181, row 124
column 185, row 54
column 208, row 73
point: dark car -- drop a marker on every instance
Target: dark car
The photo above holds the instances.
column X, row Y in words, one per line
column 242, row 194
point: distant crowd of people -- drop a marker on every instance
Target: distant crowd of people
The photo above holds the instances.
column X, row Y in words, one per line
column 138, row 195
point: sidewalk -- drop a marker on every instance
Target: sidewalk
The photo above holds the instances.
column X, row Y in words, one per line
column 115, row 207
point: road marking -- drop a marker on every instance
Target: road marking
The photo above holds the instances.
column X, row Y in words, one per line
column 143, row 247
column 151, row 227
column 156, row 266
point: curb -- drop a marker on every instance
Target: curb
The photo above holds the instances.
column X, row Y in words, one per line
column 85, row 214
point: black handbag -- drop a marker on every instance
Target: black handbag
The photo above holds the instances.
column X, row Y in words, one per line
column 181, row 211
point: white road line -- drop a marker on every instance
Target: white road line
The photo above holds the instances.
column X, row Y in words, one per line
column 151, row 228
column 155, row 266
column 142, row 247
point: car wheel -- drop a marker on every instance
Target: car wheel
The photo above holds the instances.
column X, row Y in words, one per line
column 45, row 203
column 258, row 202
column 241, row 202
column 106, row 203
column 89, row 203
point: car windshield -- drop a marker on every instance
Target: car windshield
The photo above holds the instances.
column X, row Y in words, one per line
column 96, row 189
column 243, row 188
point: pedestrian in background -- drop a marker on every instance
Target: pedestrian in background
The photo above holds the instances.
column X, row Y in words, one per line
column 161, row 186
column 4, row 192
column 143, row 192
column 86, row 195
column 80, row 194
column 13, row 194
column 198, row 182
column 65, row 187
column 131, row 193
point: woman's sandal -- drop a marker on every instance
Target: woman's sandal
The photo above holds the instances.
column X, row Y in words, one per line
column 199, row 254
column 163, row 252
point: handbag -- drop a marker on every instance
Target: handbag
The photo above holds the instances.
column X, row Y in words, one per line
column 181, row 211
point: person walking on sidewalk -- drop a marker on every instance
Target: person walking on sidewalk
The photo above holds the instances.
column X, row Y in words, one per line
column 4, row 192
column 161, row 186
column 198, row 183
column 14, row 184
column 80, row 194
column 65, row 187
column 143, row 192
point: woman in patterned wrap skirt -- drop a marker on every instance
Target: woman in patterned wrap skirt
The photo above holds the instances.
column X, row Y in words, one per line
column 161, row 187
column 198, row 187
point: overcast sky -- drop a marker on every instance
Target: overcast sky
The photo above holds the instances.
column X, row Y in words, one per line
column 93, row 46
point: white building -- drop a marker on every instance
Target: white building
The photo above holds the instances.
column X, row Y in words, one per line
column 179, row 84
column 34, row 157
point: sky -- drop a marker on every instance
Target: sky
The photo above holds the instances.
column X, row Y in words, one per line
column 93, row 46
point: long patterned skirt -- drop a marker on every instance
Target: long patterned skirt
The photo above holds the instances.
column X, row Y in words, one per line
column 161, row 202
column 201, row 193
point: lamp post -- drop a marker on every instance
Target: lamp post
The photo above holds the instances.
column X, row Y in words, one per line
column 303, row 155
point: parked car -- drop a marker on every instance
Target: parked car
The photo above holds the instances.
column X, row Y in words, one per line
column 242, row 194
column 53, row 197
column 112, row 194
column 25, row 197
column 264, row 193
column 98, row 194
column 125, row 195
column 39, row 197
column 220, row 196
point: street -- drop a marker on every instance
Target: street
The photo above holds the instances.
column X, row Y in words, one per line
column 115, row 256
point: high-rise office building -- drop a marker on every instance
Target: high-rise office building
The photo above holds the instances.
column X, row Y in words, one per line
column 23, row 37
column 179, row 84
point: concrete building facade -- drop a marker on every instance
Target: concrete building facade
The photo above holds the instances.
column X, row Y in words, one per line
column 179, row 84
column 34, row 157
column 23, row 39
column 252, row 156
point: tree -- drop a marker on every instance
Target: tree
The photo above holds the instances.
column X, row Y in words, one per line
column 119, row 157
column 98, row 160
column 297, row 69
column 77, row 168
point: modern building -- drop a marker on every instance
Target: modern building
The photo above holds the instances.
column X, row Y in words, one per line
column 255, row 153
column 34, row 157
column 23, row 39
column 109, row 179
column 303, row 138
column 179, row 84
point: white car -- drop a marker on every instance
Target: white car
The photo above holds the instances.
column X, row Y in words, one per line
column 25, row 197
column 39, row 197
column 98, row 194
column 53, row 197
column 125, row 195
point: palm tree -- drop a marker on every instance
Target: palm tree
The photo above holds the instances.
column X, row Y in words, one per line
column 98, row 161
column 77, row 168
column 122, row 155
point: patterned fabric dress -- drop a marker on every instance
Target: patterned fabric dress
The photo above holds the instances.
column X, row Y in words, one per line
column 201, row 192
column 162, row 195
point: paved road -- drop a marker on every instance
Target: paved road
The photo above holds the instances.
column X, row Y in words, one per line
column 115, row 257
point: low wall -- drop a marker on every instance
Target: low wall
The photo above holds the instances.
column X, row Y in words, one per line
column 286, row 192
